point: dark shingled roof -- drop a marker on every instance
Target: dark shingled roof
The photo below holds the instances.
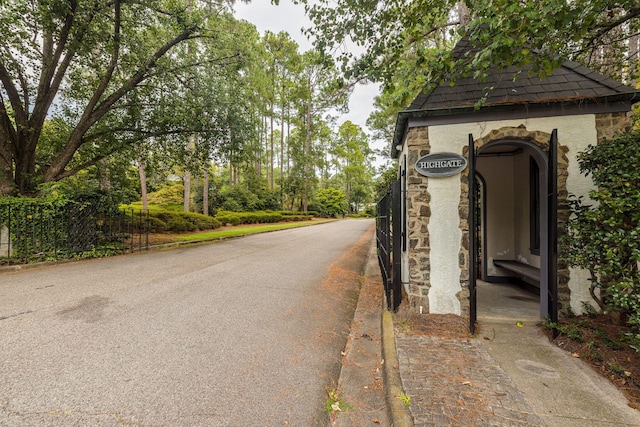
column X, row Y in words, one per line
column 570, row 82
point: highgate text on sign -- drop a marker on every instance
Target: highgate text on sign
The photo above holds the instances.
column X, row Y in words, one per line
column 441, row 164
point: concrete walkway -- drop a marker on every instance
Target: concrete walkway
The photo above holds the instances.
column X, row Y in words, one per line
column 510, row 375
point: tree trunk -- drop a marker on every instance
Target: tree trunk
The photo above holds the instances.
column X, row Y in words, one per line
column 463, row 14
column 187, row 175
column 205, row 192
column 103, row 174
column 24, row 173
column 307, row 151
column 281, row 158
column 187, row 191
column 7, row 184
column 288, row 138
column 143, row 183
column 271, row 151
column 196, row 184
column 634, row 59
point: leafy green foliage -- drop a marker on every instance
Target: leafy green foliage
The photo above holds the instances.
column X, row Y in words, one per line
column 366, row 214
column 571, row 330
column 604, row 234
column 330, row 202
column 58, row 227
column 174, row 220
column 169, row 196
column 238, row 218
column 408, row 44
column 240, row 199
column 163, row 220
column 335, row 403
column 352, row 159
column 118, row 74
column 384, row 181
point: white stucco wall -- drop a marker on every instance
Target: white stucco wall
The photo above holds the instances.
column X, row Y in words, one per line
column 444, row 236
column 574, row 132
column 522, row 212
column 499, row 209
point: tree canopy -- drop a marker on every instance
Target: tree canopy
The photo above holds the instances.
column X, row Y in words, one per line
column 163, row 90
column 116, row 71
column 407, row 44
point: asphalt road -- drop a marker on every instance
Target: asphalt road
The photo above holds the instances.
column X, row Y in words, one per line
column 246, row 332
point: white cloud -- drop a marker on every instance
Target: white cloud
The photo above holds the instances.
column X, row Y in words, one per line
column 286, row 17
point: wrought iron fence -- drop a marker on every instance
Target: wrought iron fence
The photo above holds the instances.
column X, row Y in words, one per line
column 33, row 231
column 389, row 244
column 383, row 243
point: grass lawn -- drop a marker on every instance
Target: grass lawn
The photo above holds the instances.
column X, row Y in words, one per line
column 230, row 231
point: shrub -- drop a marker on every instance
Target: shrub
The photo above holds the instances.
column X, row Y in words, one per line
column 294, row 213
column 179, row 223
column 359, row 215
column 238, row 218
column 156, row 225
column 604, row 237
column 330, row 202
column 239, row 199
column 170, row 195
column 202, row 222
column 163, row 220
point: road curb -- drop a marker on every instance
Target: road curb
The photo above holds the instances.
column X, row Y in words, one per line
column 399, row 414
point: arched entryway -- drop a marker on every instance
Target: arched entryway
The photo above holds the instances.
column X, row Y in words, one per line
column 514, row 225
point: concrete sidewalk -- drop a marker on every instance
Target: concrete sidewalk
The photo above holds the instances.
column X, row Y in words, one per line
column 510, row 375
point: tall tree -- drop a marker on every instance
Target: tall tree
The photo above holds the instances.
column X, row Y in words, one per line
column 283, row 64
column 86, row 56
column 319, row 90
column 352, row 157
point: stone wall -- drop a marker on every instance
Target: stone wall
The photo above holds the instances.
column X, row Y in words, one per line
column 610, row 124
column 418, row 214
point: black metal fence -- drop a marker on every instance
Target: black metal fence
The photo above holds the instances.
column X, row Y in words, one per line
column 383, row 242
column 33, row 231
column 388, row 242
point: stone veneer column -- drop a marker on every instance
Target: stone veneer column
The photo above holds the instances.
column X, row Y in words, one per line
column 418, row 213
column 463, row 256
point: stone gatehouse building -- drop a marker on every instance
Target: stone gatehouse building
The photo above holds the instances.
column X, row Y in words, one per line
column 519, row 146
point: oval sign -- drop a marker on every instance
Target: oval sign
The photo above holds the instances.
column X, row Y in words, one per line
column 439, row 165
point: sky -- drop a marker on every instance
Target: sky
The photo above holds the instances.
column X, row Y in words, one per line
column 291, row 18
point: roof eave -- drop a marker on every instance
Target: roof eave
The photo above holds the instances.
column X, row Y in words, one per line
column 404, row 116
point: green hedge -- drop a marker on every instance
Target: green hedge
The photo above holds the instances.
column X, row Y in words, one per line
column 258, row 217
column 307, row 215
column 359, row 215
column 162, row 220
